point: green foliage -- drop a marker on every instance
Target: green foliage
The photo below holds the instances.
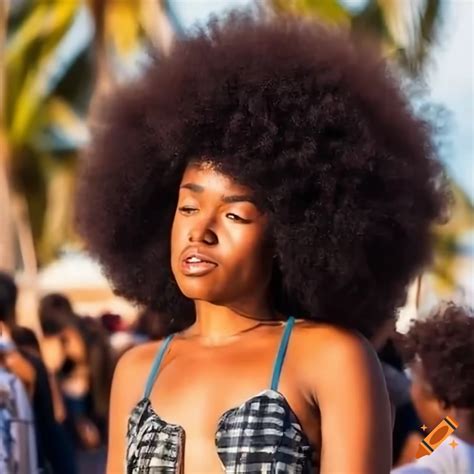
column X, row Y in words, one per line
column 52, row 58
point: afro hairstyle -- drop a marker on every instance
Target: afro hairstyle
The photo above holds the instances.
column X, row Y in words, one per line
column 313, row 122
column 444, row 342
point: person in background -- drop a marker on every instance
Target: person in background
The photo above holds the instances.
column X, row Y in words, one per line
column 119, row 335
column 26, row 340
column 55, row 454
column 83, row 365
column 102, row 363
column 440, row 354
column 407, row 433
column 17, row 362
column 148, row 326
column 18, row 448
column 112, row 322
column 406, row 424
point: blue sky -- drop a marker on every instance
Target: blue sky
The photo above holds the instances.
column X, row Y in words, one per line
column 449, row 76
column 451, row 81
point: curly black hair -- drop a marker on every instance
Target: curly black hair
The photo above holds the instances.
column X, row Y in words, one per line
column 444, row 342
column 308, row 118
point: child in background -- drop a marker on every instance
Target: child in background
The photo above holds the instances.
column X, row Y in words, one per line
column 440, row 353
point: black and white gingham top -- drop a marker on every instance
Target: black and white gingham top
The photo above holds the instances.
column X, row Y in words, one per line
column 262, row 435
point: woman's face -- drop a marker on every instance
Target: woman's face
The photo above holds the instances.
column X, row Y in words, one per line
column 217, row 240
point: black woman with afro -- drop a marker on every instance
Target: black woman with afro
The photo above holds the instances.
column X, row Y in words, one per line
column 268, row 191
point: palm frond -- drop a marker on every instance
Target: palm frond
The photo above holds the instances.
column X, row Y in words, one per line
column 331, row 11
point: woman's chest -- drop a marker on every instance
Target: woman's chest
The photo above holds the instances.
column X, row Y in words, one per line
column 198, row 390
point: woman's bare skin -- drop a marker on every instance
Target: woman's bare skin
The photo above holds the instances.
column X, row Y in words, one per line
column 331, row 377
column 197, row 383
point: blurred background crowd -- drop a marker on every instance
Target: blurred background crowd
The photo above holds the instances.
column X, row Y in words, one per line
column 62, row 327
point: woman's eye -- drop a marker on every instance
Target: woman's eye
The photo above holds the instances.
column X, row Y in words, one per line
column 235, row 217
column 186, row 209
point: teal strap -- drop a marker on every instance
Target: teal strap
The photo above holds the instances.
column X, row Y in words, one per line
column 281, row 353
column 156, row 365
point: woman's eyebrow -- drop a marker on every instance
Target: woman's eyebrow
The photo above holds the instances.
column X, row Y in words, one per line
column 197, row 188
column 241, row 198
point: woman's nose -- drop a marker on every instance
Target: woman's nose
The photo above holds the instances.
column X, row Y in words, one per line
column 203, row 233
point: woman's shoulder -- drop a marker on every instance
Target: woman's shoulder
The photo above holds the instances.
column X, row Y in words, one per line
column 332, row 359
column 139, row 357
column 326, row 336
column 320, row 344
column 135, row 365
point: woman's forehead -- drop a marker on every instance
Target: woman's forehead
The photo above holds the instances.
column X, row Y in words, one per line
column 207, row 175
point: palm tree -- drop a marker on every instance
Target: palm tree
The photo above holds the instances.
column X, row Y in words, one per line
column 406, row 29
column 59, row 55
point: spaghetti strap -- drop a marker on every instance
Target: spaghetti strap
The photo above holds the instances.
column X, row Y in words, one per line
column 281, row 353
column 156, row 366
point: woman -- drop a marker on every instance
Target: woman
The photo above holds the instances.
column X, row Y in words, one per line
column 268, row 190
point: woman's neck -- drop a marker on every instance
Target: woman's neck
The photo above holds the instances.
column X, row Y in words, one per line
column 215, row 322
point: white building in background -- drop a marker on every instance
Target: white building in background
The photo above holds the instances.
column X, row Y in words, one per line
column 81, row 279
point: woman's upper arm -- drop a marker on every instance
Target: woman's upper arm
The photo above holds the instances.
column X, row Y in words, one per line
column 355, row 409
column 127, row 387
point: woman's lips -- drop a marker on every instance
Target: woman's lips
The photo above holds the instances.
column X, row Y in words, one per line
column 197, row 268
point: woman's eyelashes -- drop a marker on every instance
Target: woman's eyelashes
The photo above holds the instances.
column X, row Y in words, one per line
column 237, row 218
column 187, row 210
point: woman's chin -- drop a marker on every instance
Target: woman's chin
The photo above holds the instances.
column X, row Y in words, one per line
column 200, row 293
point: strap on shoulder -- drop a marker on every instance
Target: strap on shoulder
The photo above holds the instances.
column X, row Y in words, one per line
column 281, row 353
column 156, row 365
